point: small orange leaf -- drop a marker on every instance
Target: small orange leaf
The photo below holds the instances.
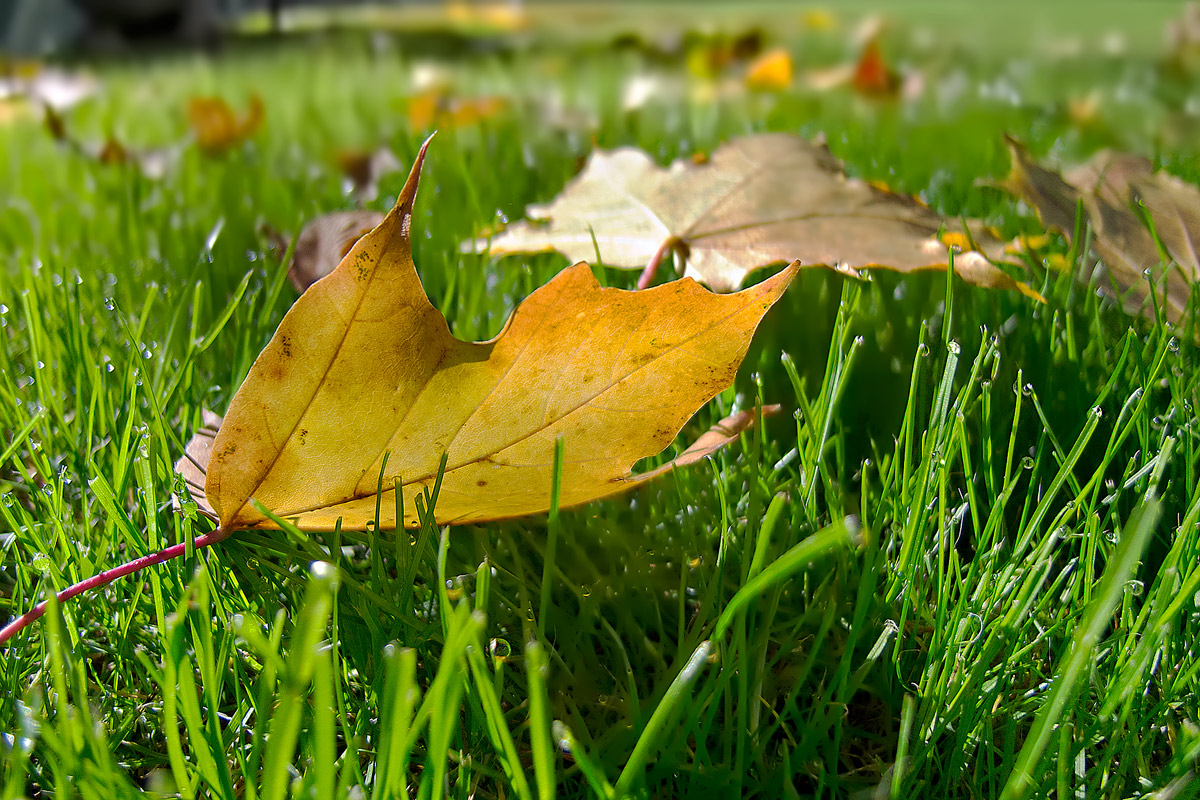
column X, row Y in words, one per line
column 772, row 71
column 216, row 128
column 872, row 75
column 434, row 109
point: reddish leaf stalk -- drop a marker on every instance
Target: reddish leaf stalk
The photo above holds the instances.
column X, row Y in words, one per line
column 652, row 266
column 108, row 576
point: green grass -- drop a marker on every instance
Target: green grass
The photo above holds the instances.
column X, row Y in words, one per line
column 966, row 565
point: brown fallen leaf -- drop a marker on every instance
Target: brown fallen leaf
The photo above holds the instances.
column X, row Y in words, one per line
column 363, row 371
column 325, row 241
column 759, row 200
column 1109, row 187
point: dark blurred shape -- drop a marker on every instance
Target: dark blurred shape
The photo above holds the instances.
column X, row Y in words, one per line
column 114, row 24
column 37, row 27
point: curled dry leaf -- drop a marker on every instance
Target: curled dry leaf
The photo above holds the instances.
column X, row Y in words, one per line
column 363, row 372
column 363, row 169
column 325, row 241
column 759, row 200
column 1109, row 186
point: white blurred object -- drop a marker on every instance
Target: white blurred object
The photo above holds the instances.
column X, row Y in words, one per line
column 52, row 87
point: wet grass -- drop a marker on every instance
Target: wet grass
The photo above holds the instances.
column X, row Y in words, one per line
column 967, row 564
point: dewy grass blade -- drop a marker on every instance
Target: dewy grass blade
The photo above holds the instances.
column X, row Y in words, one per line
column 304, row 643
column 497, row 723
column 1096, row 618
column 651, row 737
column 828, row 540
column 397, row 704
column 540, row 739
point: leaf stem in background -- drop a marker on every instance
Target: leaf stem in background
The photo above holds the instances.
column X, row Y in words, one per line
column 652, row 265
column 108, row 576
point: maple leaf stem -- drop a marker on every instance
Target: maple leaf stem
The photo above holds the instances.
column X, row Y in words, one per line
column 108, row 576
column 652, row 265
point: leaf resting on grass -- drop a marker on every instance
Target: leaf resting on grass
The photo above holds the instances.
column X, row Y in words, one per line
column 760, row 200
column 364, row 368
column 1109, row 187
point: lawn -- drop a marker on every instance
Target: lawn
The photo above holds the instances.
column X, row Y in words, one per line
column 962, row 562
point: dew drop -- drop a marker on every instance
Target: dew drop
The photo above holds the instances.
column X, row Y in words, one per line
column 109, row 304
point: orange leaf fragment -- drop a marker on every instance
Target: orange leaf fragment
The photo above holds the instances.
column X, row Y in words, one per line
column 433, row 108
column 872, row 75
column 216, row 128
column 363, row 369
column 772, row 71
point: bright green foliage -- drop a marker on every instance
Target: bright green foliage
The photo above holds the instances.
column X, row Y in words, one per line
column 1015, row 611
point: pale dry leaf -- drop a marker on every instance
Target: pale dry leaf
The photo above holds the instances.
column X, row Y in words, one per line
column 363, row 372
column 759, row 200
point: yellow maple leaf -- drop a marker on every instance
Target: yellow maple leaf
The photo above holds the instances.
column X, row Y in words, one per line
column 363, row 384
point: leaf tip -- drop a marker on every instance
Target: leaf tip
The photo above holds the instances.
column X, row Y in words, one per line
column 404, row 202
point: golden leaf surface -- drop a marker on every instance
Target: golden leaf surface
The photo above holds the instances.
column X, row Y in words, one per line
column 759, row 200
column 363, row 366
column 1110, row 186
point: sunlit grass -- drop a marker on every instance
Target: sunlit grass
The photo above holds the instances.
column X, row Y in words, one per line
column 966, row 564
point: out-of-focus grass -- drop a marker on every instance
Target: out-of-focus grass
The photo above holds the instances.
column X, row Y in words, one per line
column 1017, row 610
